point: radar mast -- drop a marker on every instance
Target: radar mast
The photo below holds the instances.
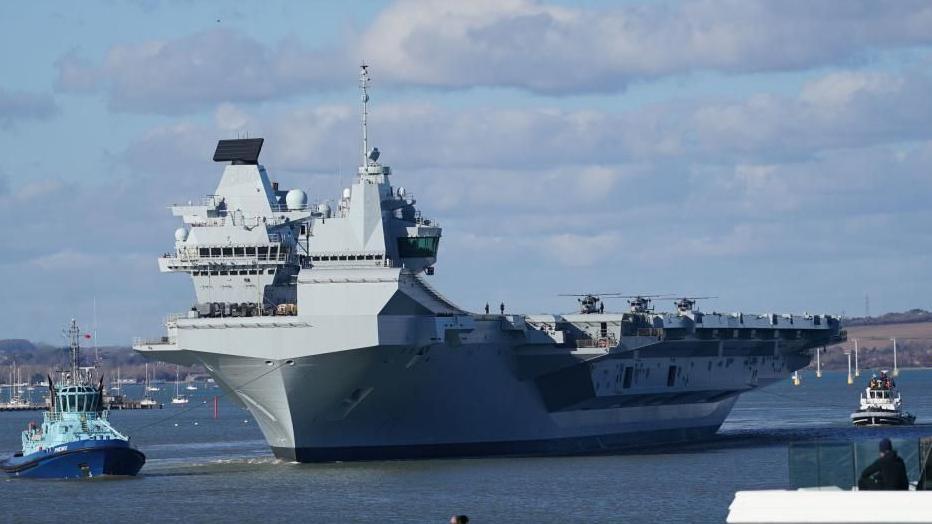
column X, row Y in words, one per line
column 72, row 334
column 364, row 85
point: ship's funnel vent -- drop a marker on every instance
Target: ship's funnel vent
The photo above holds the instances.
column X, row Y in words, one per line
column 239, row 151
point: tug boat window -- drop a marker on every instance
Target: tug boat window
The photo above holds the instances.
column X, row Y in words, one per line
column 418, row 247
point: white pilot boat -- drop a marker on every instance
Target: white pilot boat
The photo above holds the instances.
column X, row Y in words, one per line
column 881, row 405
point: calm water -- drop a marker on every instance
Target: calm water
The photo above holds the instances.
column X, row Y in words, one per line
column 205, row 470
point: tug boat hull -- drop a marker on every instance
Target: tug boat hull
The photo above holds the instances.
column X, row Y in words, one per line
column 79, row 459
column 882, row 418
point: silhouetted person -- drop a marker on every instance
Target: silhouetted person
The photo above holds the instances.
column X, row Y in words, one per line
column 886, row 473
column 486, row 308
column 501, row 307
column 602, row 307
column 459, row 519
column 925, row 478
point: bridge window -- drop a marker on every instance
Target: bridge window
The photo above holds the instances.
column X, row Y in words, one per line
column 228, row 251
column 238, row 251
column 215, row 251
column 203, row 251
column 250, row 251
column 418, row 247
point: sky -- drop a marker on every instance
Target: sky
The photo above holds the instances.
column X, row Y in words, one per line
column 775, row 155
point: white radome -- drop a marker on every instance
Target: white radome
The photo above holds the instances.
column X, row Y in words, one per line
column 296, row 199
column 181, row 234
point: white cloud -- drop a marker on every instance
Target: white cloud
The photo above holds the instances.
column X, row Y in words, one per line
column 74, row 260
column 34, row 189
column 838, row 110
column 66, row 259
column 502, row 43
column 201, row 70
column 573, row 250
column 837, row 89
column 17, row 106
column 551, row 49
column 230, row 118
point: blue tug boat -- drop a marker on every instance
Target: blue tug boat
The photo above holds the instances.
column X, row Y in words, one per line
column 76, row 439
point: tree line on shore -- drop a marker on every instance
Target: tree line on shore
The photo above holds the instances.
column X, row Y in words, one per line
column 36, row 360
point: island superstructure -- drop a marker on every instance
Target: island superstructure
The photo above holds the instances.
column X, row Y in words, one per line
column 320, row 320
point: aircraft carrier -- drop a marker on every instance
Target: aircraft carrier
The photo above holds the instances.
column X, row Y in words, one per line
column 319, row 318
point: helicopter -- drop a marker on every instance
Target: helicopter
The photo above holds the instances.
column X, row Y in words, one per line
column 686, row 304
column 590, row 302
column 641, row 303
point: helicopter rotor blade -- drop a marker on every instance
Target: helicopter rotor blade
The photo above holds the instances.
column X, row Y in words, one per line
column 660, row 296
column 586, row 294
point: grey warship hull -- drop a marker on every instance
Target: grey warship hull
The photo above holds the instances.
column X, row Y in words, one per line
column 497, row 397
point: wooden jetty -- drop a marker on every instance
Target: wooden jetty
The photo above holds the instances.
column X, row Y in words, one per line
column 119, row 402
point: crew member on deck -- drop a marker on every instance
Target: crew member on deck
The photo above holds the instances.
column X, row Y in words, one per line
column 886, row 473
